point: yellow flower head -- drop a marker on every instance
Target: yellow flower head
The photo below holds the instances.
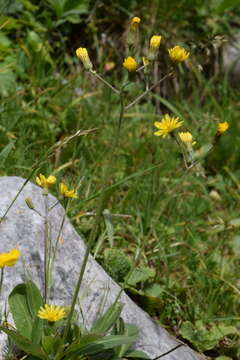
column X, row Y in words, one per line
column 82, row 54
column 155, row 42
column 130, row 64
column 178, row 54
column 186, row 137
column 134, row 24
column 10, row 258
column 167, row 125
column 44, row 182
column 222, row 127
column 66, row 192
column 51, row 313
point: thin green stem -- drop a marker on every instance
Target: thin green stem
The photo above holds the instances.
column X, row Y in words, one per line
column 1, row 279
column 147, row 91
column 46, row 250
column 104, row 81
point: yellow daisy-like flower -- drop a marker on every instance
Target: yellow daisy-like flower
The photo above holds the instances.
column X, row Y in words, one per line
column 178, row 54
column 130, row 64
column 186, row 138
column 66, row 192
column 167, row 125
column 44, row 182
column 82, row 54
column 51, row 313
column 134, row 24
column 10, row 258
column 155, row 42
column 222, row 127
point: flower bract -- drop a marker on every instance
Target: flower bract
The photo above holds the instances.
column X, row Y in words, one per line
column 178, row 54
column 45, row 182
column 130, row 64
column 51, row 313
column 67, row 192
column 222, row 127
column 82, row 54
column 167, row 125
column 10, row 258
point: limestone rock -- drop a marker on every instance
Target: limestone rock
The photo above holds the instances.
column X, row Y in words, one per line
column 24, row 229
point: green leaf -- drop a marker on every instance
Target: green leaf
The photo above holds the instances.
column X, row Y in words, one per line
column 137, row 354
column 34, row 298
column 105, row 343
column 203, row 337
column 105, row 322
column 140, row 274
column 20, row 311
column 6, row 150
column 24, row 343
column 128, row 330
column 37, row 330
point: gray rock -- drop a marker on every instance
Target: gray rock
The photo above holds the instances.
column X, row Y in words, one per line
column 231, row 60
column 24, row 229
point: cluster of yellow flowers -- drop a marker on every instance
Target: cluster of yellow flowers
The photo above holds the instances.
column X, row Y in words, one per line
column 177, row 54
column 46, row 182
column 168, row 124
column 10, row 258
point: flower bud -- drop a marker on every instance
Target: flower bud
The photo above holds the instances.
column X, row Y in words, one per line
column 82, row 54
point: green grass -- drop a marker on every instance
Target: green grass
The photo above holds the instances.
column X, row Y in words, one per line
column 190, row 237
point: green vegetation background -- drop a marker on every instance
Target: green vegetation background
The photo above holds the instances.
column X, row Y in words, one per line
column 187, row 278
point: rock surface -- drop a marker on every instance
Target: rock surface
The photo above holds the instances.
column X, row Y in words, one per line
column 231, row 60
column 24, row 229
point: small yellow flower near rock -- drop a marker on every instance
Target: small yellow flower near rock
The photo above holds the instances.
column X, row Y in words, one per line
column 10, row 258
column 130, row 64
column 178, row 54
column 222, row 127
column 135, row 22
column 82, row 54
column 167, row 125
column 51, row 313
column 186, row 138
column 66, row 192
column 155, row 42
column 44, row 182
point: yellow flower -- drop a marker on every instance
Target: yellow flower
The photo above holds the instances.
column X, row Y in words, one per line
column 178, row 54
column 10, row 258
column 134, row 24
column 222, row 127
column 51, row 313
column 44, row 182
column 167, row 125
column 82, row 54
column 186, row 138
column 130, row 64
column 155, row 42
column 66, row 192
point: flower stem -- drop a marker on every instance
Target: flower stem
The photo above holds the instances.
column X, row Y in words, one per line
column 104, row 81
column 1, row 279
column 147, row 91
column 46, row 250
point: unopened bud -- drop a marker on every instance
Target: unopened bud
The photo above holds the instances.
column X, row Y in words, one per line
column 29, row 203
